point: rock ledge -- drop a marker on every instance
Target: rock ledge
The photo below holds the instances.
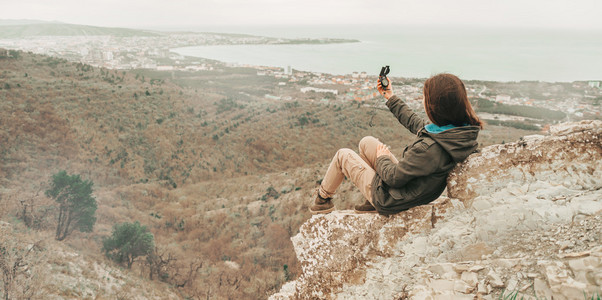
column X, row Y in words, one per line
column 523, row 217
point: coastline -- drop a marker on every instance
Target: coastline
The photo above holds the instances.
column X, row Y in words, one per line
column 417, row 52
column 472, row 54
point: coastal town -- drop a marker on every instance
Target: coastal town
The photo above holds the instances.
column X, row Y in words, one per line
column 576, row 99
column 153, row 51
column 147, row 50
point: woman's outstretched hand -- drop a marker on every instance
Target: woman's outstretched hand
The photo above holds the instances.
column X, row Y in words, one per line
column 382, row 149
column 386, row 93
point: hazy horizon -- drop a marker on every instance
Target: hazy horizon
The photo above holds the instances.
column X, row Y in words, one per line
column 561, row 14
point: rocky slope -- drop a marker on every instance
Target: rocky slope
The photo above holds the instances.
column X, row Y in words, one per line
column 33, row 266
column 521, row 218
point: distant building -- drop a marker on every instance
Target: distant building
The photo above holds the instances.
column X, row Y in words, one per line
column 107, row 55
column 502, row 98
column 148, row 65
column 594, row 84
column 318, row 90
column 197, row 68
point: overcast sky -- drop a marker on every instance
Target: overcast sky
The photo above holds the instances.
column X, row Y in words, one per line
column 570, row 14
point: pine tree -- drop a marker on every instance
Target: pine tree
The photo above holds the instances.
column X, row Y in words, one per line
column 128, row 241
column 77, row 207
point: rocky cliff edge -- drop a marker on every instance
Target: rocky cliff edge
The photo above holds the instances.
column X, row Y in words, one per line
column 519, row 218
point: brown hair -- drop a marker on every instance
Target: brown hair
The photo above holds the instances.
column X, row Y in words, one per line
column 446, row 102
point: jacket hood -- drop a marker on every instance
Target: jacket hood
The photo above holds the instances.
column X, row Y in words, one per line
column 459, row 142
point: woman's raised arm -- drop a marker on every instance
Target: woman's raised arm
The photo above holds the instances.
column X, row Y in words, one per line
column 400, row 110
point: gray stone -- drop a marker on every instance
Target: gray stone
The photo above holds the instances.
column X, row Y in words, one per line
column 482, row 288
column 494, row 279
column 463, row 287
column 481, row 203
column 470, row 278
column 506, row 263
column 532, row 161
column 512, row 285
column 443, row 271
column 541, row 289
column 571, row 289
column 476, row 268
column 565, row 244
column 442, row 285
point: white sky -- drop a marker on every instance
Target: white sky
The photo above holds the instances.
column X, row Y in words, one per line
column 569, row 14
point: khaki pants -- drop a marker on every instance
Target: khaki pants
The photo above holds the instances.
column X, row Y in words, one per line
column 359, row 168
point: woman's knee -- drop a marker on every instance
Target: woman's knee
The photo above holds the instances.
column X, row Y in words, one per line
column 367, row 140
column 342, row 154
column 344, row 151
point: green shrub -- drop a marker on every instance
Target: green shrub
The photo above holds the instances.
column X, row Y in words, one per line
column 128, row 241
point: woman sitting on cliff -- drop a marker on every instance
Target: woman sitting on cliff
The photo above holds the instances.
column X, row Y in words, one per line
column 391, row 185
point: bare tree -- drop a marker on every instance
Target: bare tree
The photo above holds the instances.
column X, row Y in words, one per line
column 19, row 260
column 160, row 264
column 167, row 268
column 188, row 276
column 32, row 208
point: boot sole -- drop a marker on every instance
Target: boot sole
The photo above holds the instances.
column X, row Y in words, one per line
column 319, row 212
column 365, row 211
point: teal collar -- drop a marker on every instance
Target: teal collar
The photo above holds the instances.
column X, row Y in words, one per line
column 432, row 128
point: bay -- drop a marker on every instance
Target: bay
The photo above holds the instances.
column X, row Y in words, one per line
column 471, row 53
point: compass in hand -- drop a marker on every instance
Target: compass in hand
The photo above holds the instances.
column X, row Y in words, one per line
column 384, row 71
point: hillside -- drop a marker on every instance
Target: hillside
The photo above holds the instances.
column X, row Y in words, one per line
column 12, row 31
column 220, row 175
column 54, row 270
column 4, row 22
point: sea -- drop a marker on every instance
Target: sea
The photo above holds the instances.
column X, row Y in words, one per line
column 496, row 54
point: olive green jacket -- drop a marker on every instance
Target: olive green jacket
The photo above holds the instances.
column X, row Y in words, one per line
column 421, row 174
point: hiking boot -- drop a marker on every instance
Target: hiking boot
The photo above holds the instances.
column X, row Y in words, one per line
column 365, row 208
column 321, row 205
